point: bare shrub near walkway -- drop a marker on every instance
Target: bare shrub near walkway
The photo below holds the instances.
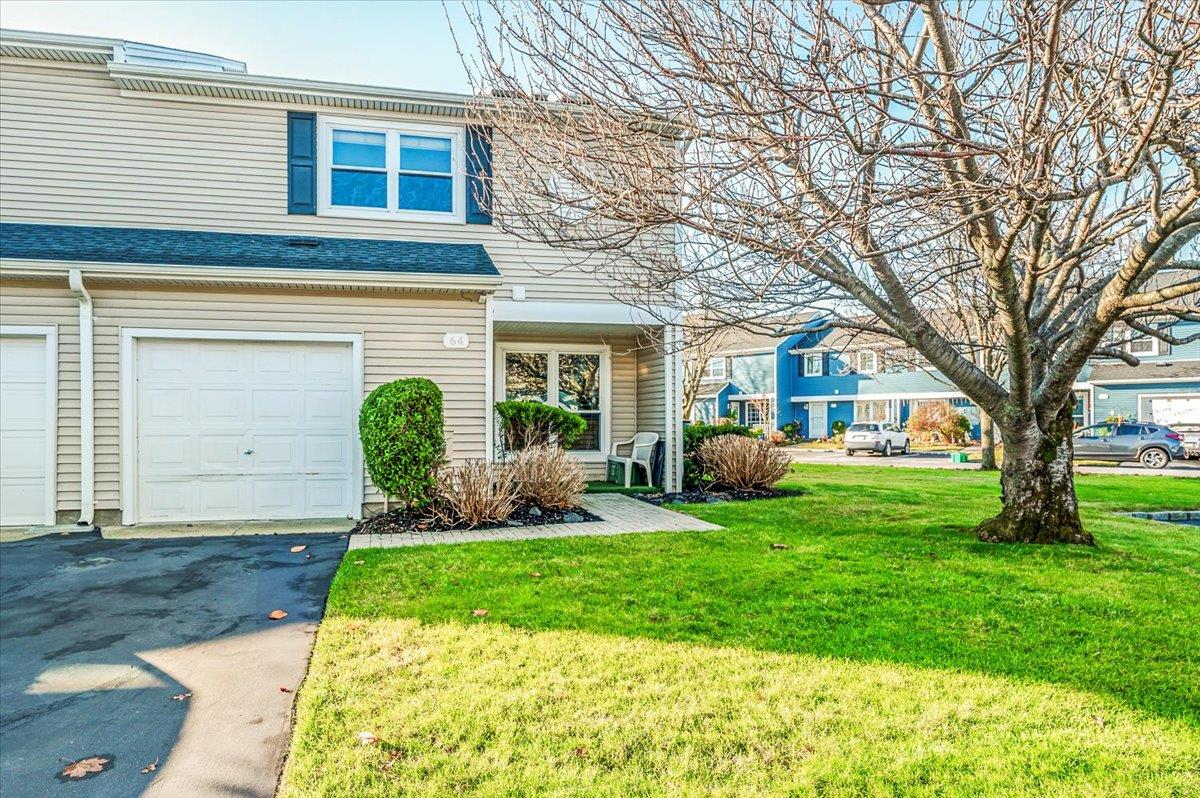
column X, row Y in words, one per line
column 475, row 493
column 743, row 463
column 548, row 477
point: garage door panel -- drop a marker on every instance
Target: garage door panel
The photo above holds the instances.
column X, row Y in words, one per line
column 276, row 406
column 1170, row 410
column 24, row 406
column 25, row 430
column 291, row 405
column 326, row 407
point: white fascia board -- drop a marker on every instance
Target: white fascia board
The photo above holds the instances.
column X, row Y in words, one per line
column 846, row 397
column 749, row 397
column 1145, row 380
column 581, row 313
column 237, row 274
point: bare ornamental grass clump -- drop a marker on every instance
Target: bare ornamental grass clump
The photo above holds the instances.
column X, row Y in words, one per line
column 475, row 493
column 742, row 463
column 548, row 477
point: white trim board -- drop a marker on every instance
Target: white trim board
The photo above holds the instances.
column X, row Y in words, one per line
column 846, row 397
column 50, row 333
column 128, row 394
column 581, row 313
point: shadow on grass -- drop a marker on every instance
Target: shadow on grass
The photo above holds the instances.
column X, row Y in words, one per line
column 869, row 574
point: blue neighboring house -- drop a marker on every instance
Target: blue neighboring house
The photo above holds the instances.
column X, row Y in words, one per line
column 833, row 375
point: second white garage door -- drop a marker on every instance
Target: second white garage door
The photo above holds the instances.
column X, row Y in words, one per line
column 232, row 430
column 1170, row 410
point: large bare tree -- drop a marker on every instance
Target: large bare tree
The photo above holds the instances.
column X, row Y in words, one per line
column 827, row 155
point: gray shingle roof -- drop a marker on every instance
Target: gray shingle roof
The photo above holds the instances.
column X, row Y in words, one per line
column 1147, row 370
column 247, row 250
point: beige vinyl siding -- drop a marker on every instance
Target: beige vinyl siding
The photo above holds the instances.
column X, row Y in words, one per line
column 402, row 337
column 43, row 304
column 75, row 150
column 651, row 398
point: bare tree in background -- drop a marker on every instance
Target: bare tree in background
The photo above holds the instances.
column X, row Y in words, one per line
column 698, row 350
column 812, row 155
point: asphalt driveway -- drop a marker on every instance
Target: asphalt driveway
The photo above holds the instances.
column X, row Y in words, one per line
column 98, row 638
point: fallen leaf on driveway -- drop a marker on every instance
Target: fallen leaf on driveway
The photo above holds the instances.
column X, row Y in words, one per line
column 181, row 697
column 277, row 615
column 153, row 766
column 780, row 546
column 284, row 690
column 366, row 738
column 479, row 613
column 298, row 549
column 77, row 770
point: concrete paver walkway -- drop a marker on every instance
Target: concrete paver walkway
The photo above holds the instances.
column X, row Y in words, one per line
column 621, row 515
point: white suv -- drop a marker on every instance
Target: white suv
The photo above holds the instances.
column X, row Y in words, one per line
column 873, row 436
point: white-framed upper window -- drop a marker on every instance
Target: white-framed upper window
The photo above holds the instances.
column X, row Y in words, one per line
column 378, row 169
column 575, row 378
column 1143, row 345
column 814, row 364
column 714, row 369
column 867, row 362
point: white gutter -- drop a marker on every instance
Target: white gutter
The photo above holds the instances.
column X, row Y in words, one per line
column 87, row 401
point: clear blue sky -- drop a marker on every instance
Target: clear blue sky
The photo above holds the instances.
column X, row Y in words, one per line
column 404, row 43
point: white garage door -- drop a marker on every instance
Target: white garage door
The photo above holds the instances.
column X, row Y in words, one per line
column 1169, row 410
column 25, row 430
column 230, row 430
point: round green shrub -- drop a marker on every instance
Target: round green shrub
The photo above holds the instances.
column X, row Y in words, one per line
column 401, row 426
column 528, row 424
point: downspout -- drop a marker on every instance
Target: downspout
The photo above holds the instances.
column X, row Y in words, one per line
column 87, row 403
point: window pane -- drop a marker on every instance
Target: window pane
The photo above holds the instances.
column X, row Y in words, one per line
column 359, row 148
column 525, row 376
column 589, row 440
column 426, row 194
column 579, row 382
column 424, row 154
column 359, row 189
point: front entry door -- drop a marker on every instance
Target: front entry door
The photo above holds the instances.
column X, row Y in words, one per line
column 818, row 420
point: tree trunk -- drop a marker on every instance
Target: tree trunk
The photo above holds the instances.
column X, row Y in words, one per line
column 987, row 441
column 1037, row 487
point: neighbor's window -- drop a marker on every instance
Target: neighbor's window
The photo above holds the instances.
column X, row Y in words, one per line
column 715, row 369
column 754, row 413
column 814, row 365
column 871, row 410
column 867, row 362
column 1143, row 345
column 570, row 380
column 409, row 171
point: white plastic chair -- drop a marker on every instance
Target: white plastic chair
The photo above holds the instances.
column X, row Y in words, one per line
column 641, row 454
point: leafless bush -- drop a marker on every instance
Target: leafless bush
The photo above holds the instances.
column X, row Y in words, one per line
column 475, row 493
column 548, row 477
column 743, row 463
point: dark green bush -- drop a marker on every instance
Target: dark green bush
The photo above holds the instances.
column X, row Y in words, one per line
column 528, row 424
column 794, row 430
column 695, row 434
column 401, row 426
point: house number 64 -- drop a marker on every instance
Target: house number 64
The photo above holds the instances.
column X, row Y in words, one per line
column 456, row 340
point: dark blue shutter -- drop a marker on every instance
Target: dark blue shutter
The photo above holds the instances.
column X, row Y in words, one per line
column 479, row 174
column 302, row 162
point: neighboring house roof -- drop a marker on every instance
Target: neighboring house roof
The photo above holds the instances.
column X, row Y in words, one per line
column 207, row 248
column 736, row 339
column 709, row 390
column 1145, row 372
column 839, row 339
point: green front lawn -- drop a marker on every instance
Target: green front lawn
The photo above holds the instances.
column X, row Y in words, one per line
column 884, row 652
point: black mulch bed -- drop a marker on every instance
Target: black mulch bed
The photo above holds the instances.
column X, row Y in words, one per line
column 400, row 521
column 716, row 496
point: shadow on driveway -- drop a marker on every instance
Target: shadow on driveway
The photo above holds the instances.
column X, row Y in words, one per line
column 97, row 637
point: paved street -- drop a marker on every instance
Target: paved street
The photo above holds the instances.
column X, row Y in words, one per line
column 1179, row 468
column 98, row 636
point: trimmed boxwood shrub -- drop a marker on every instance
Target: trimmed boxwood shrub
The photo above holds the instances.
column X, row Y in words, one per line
column 528, row 424
column 401, row 426
column 695, row 434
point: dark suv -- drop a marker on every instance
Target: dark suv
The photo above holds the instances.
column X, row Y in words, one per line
column 1152, row 445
